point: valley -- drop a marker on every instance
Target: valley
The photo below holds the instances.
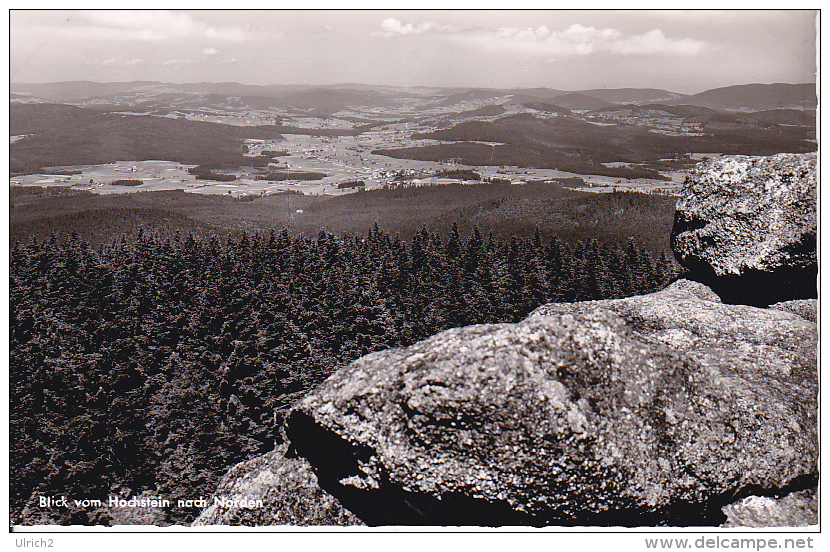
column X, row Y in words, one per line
column 384, row 136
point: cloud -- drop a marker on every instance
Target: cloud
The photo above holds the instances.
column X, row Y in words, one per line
column 655, row 42
column 391, row 27
column 113, row 61
column 210, row 52
column 579, row 40
column 168, row 62
column 576, row 40
column 177, row 61
column 154, row 26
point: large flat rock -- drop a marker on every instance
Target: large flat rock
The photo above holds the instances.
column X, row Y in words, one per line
column 650, row 410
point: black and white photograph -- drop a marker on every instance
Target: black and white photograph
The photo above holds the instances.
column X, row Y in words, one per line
column 356, row 270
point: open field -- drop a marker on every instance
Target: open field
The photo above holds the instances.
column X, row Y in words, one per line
column 342, row 159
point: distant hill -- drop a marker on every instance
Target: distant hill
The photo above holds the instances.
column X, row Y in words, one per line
column 26, row 98
column 755, row 97
column 486, row 111
column 69, row 135
column 323, row 100
column 684, row 111
column 772, row 118
column 564, row 142
column 335, row 99
column 548, row 108
column 472, row 94
column 164, row 98
column 695, row 113
column 571, row 144
column 77, row 90
column 579, row 101
column 237, row 89
column 73, row 91
column 524, row 95
column 632, row 108
column 783, row 117
column 631, row 95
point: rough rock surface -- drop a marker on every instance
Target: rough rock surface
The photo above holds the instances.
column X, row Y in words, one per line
column 682, row 407
column 288, row 489
column 655, row 409
column 746, row 226
column 805, row 308
column 799, row 509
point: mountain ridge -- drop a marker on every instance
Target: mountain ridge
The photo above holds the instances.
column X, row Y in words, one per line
column 754, row 96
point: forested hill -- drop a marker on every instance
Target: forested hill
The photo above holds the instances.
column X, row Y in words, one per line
column 70, row 135
column 150, row 366
column 504, row 209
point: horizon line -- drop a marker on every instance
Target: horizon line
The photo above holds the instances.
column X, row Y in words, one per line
column 815, row 82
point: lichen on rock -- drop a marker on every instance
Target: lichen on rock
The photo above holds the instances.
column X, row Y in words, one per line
column 746, row 226
column 689, row 406
column 656, row 408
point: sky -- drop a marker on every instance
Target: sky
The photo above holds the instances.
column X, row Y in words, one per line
column 678, row 50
